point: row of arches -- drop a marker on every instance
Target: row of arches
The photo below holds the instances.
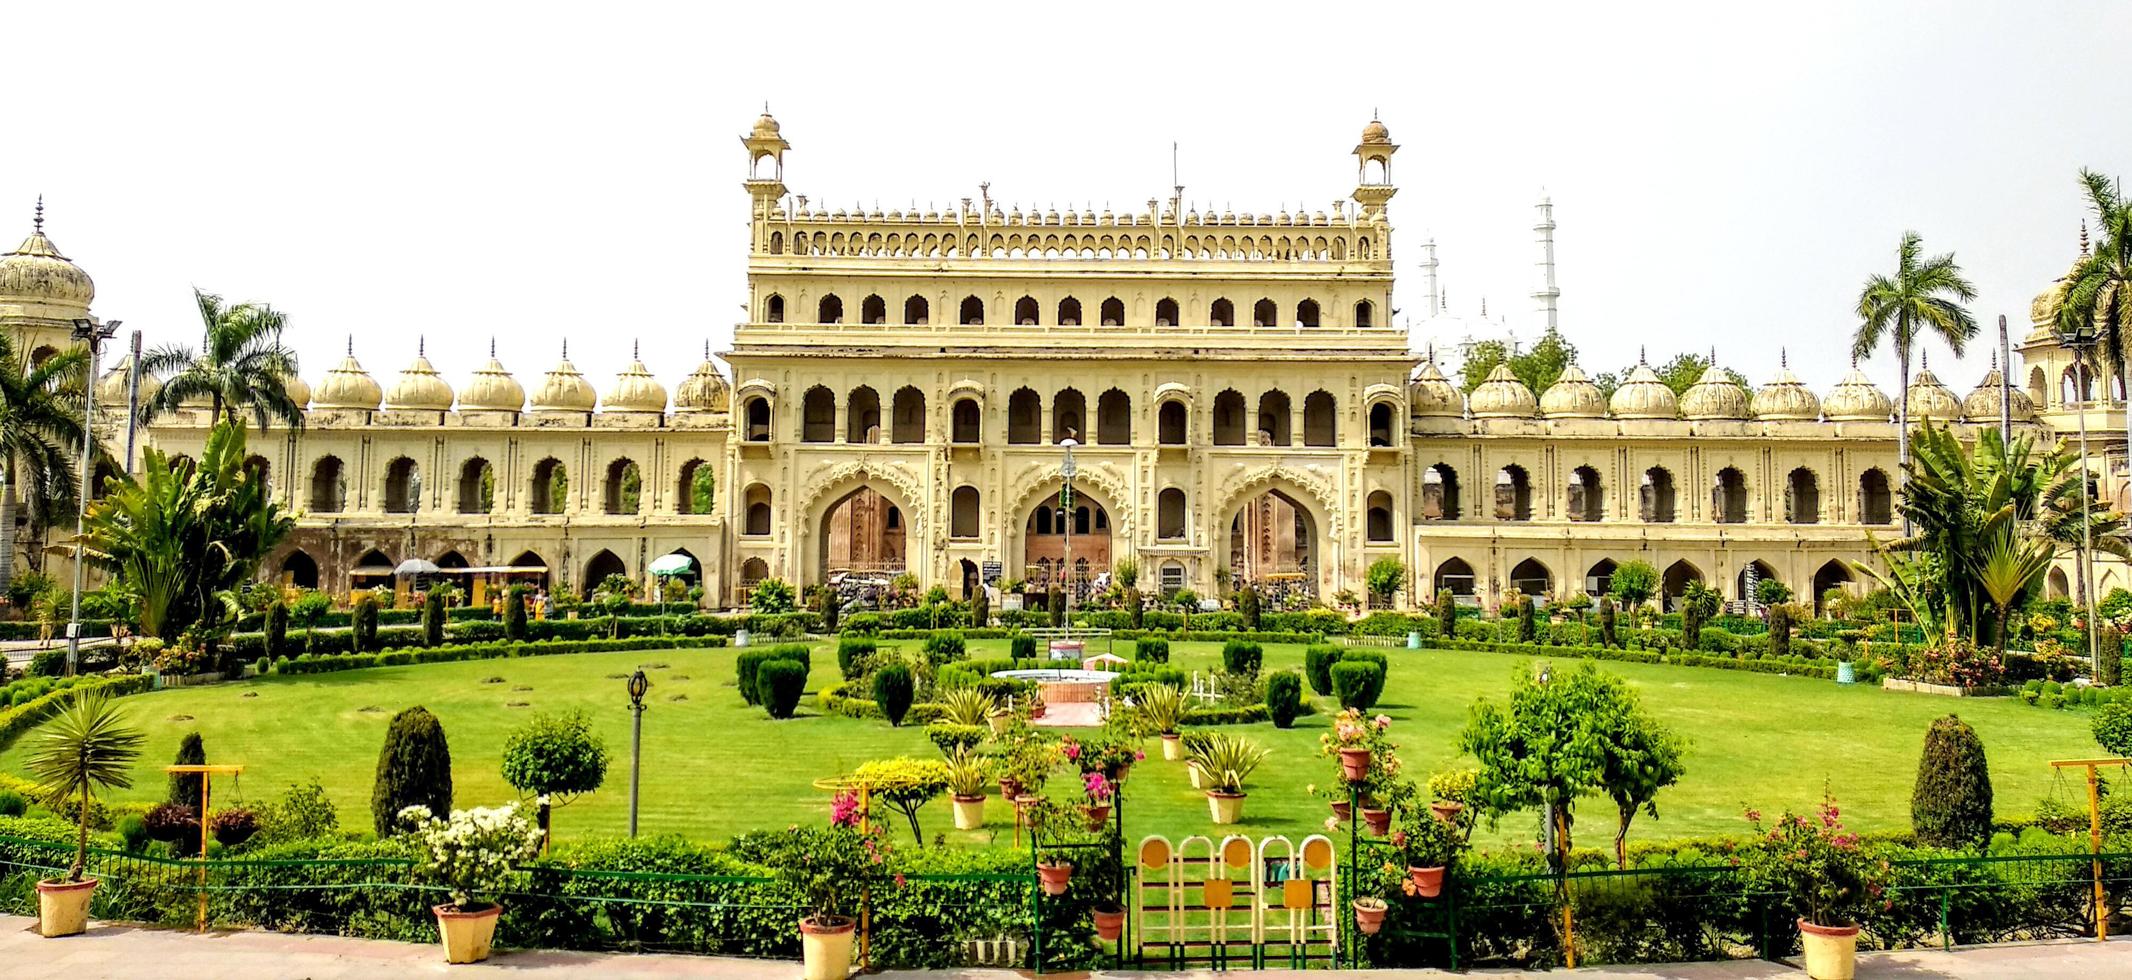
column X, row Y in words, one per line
column 1657, row 496
column 1338, row 247
column 1232, row 423
column 299, row 569
column 1532, row 577
column 1027, row 312
column 547, row 490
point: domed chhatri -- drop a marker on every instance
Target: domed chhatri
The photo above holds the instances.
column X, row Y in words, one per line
column 492, row 389
column 563, row 389
column 635, row 390
column 420, row 388
column 111, row 388
column 1573, row 396
column 1856, row 399
column 1643, row 396
column 348, row 386
column 1930, row 399
column 1503, row 396
column 1785, row 398
column 37, row 274
column 765, row 126
column 1713, row 397
column 1376, row 132
column 704, row 391
column 1982, row 405
column 1431, row 395
column 299, row 390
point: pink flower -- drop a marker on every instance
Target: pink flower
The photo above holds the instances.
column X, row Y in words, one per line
column 1384, row 722
column 899, row 881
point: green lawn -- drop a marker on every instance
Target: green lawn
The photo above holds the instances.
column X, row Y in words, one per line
column 715, row 767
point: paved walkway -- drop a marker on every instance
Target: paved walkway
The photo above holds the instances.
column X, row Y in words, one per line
column 118, row 951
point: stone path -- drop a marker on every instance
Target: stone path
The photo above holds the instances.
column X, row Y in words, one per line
column 120, row 951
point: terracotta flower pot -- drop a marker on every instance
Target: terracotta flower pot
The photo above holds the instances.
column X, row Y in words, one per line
column 1355, row 764
column 1172, row 747
column 1009, row 788
column 825, row 946
column 63, row 907
column 1344, row 810
column 1428, row 882
column 1097, row 815
column 969, row 812
column 1369, row 915
column 1054, row 877
column 1110, row 922
column 1227, row 808
column 1123, row 771
column 1379, row 821
column 1447, row 810
column 1831, row 951
column 466, row 932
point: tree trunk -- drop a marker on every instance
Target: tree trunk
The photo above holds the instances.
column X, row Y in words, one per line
column 1902, row 419
column 7, row 528
column 1621, row 838
column 81, row 842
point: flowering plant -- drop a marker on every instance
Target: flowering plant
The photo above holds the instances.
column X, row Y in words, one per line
column 1426, row 842
column 1956, row 660
column 1818, row 865
column 1098, row 788
column 1101, row 752
column 1351, row 729
column 830, row 867
column 470, row 853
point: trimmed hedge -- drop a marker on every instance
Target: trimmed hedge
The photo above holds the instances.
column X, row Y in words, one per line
column 780, row 682
column 1825, row 669
column 23, row 717
column 330, row 663
column 846, row 701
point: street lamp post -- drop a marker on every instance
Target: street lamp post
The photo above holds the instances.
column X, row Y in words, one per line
column 1066, row 471
column 93, row 334
column 2080, row 342
column 638, row 684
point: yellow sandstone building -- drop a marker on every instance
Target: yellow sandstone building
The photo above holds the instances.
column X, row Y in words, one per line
column 1241, row 405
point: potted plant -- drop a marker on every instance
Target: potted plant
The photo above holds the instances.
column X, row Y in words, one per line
column 469, row 855
column 1369, row 914
column 831, row 867
column 1192, row 743
column 968, row 773
column 1454, row 792
column 1343, row 807
column 1429, row 846
column 1110, row 921
column 1827, row 879
column 1357, row 740
column 1226, row 761
column 86, row 747
column 1099, row 790
column 1161, row 708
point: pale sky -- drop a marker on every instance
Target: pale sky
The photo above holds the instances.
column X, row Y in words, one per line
column 1722, row 174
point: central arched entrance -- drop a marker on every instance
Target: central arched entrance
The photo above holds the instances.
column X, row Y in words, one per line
column 1274, row 547
column 1051, row 529
column 861, row 544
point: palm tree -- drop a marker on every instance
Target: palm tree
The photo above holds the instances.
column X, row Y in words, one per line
column 2008, row 566
column 87, row 745
column 1923, row 297
column 242, row 364
column 2096, row 298
column 40, row 430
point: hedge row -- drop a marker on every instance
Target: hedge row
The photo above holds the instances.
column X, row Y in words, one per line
column 849, row 700
column 251, row 646
column 31, row 630
column 1824, row 669
column 330, row 663
column 21, row 718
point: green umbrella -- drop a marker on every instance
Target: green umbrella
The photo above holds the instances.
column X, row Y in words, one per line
column 672, row 565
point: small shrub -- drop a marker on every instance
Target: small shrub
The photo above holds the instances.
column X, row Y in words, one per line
column 185, row 786
column 2112, row 725
column 277, row 628
column 852, row 654
column 1151, row 650
column 13, row 804
column 948, row 736
column 1242, row 657
column 176, row 823
column 514, row 614
column 746, row 665
column 944, row 647
column 1446, row 613
column 1247, row 606
column 1384, row 670
column 433, row 618
column 364, row 624
column 1950, row 806
column 779, row 685
column 49, row 663
column 232, row 826
column 893, row 692
column 414, row 769
column 1318, row 659
column 980, row 610
column 133, row 831
column 1022, row 647
column 1284, row 698
column 1354, row 681
column 1607, row 637
column 771, row 595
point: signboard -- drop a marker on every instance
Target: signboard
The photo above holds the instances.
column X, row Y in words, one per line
column 992, row 570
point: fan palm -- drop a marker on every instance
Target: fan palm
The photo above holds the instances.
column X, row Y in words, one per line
column 1924, row 297
column 2096, row 299
column 86, row 746
column 40, row 430
column 2008, row 566
column 241, row 364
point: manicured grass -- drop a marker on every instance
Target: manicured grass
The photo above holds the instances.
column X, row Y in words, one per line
column 715, row 767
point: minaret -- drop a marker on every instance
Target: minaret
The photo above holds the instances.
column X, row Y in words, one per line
column 1545, row 298
column 1373, row 168
column 766, row 173
column 1428, row 275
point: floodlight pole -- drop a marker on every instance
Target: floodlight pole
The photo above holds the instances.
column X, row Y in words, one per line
column 1066, row 472
column 92, row 334
column 2080, row 344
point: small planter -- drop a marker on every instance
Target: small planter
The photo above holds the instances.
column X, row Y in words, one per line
column 1097, row 815
column 1344, row 810
column 825, row 946
column 1119, row 776
column 1110, row 922
column 466, row 932
column 1172, row 747
column 1831, row 951
column 1379, row 821
column 1355, row 764
column 1054, row 876
column 1009, row 788
column 1427, row 882
column 1198, row 778
column 1369, row 915
column 1036, row 709
column 63, row 907
column 1447, row 810
column 1227, row 808
column 969, row 812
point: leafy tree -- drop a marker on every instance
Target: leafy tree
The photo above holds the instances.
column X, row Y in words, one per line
column 40, row 434
column 555, row 759
column 185, row 786
column 1679, row 374
column 1284, row 698
column 85, row 747
column 2096, row 297
column 1634, row 583
column 414, row 769
column 2112, row 726
column 1385, row 577
column 893, row 692
column 1771, row 592
column 1922, row 299
column 1951, row 804
column 241, row 364
column 309, row 608
column 1247, row 606
column 1698, row 602
column 1538, row 366
column 905, row 785
column 1641, row 758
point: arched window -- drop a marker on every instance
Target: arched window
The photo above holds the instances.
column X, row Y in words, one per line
column 1306, row 313
column 1229, row 418
column 963, row 513
column 1040, row 522
column 1069, row 312
column 862, row 421
column 1025, row 418
column 1273, row 418
column 1656, row 503
column 968, row 423
column 1802, row 497
column 1320, row 428
column 1165, row 312
column 1454, row 576
column 909, row 416
column 1265, row 314
column 1834, row 574
column 698, row 489
column 623, row 493
column 1380, row 516
column 915, row 311
column 1169, row 513
column 773, row 309
column 1439, row 493
column 873, row 309
column 2077, row 384
column 1113, row 312
column 752, row 572
column 1114, row 418
column 1221, row 314
column 758, row 509
column 1587, row 502
column 1875, row 504
column 1172, row 423
column 757, row 412
column 2039, row 390
column 830, row 310
column 1674, row 583
column 550, row 488
column 818, row 415
column 1728, row 497
column 1381, row 425
column 603, row 566
column 1599, row 579
column 1365, row 314
column 329, row 488
column 1025, row 311
column 1532, row 578
column 477, row 487
column 256, row 467
column 777, row 243
column 403, row 486
column 1513, row 494
column 973, row 310
column 299, row 570
column 1069, row 417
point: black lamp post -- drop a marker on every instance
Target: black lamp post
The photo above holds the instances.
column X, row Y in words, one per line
column 638, row 684
column 2080, row 341
column 91, row 334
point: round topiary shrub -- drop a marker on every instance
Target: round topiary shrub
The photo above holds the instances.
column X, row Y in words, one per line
column 133, row 831
column 1151, row 650
column 893, row 692
column 852, row 654
column 1384, row 670
column 1022, row 648
column 779, row 686
column 1318, row 659
column 1242, row 657
column 1951, row 803
column 1355, row 683
column 1284, row 698
column 745, row 667
column 2113, row 725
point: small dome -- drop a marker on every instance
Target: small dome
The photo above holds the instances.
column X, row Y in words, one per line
column 1929, row 399
column 1503, row 396
column 2043, row 311
column 703, row 391
column 36, row 272
column 1376, row 132
column 299, row 390
column 1431, row 394
column 1856, row 399
column 1573, row 396
column 111, row 388
column 1714, row 397
column 635, row 390
column 1982, row 405
column 420, row 388
column 765, row 127
column 1643, row 396
column 348, row 386
column 492, row 389
column 1785, row 398
column 563, row 389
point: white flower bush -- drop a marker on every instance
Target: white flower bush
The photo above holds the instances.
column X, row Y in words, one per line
column 470, row 854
